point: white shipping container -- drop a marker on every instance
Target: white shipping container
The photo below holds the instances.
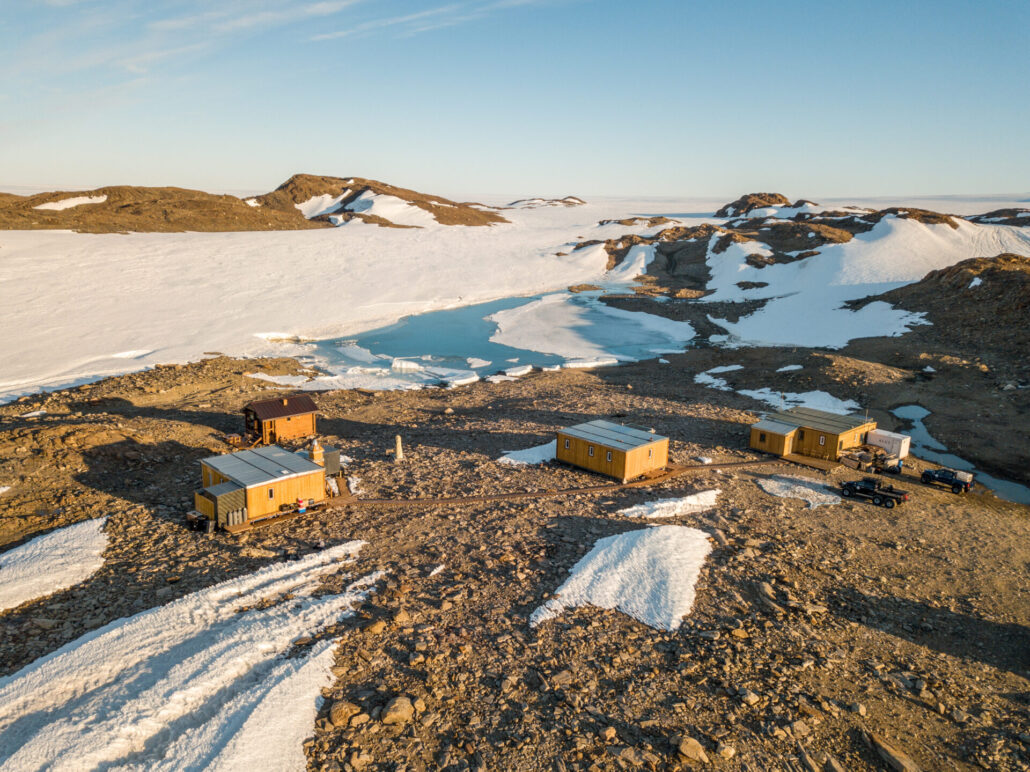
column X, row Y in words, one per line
column 893, row 443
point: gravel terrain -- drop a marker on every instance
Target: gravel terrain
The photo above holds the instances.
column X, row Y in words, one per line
column 834, row 637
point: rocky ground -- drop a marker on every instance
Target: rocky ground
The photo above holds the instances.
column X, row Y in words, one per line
column 824, row 638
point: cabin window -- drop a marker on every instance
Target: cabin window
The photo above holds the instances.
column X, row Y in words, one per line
column 287, row 418
column 609, row 456
column 801, row 434
column 271, row 493
column 590, row 451
column 761, row 437
column 840, row 445
column 650, row 452
column 822, row 439
column 566, row 444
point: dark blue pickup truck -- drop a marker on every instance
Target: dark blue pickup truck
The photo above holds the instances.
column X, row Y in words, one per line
column 959, row 482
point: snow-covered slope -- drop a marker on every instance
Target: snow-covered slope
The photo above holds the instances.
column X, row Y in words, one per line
column 197, row 684
column 806, row 297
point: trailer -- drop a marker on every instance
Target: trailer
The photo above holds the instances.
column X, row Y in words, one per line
column 895, row 444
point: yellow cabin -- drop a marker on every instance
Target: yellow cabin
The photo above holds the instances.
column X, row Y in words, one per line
column 241, row 488
column 617, row 450
column 809, row 432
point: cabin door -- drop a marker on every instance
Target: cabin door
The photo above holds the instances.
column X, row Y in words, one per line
column 788, row 444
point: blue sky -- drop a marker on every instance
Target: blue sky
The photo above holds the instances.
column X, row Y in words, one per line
column 548, row 97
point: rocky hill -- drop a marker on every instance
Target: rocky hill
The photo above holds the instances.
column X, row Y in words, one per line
column 336, row 200
column 750, row 201
column 980, row 305
column 124, row 208
column 304, row 201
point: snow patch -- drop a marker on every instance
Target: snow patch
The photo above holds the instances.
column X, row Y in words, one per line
column 790, row 486
column 976, row 282
column 319, row 205
column 536, row 455
column 688, row 505
column 789, row 368
column 33, row 414
column 391, row 208
column 819, row 400
column 51, row 562
column 648, row 574
column 437, row 570
column 68, row 203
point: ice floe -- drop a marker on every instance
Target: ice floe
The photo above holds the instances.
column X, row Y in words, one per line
column 578, row 328
column 649, row 574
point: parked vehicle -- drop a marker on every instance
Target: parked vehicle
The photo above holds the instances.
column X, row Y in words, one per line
column 959, row 482
column 875, row 490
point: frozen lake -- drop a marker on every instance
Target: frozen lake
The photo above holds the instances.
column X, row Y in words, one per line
column 459, row 345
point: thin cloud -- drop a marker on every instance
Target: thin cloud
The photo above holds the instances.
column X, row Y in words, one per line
column 435, row 18
column 390, row 21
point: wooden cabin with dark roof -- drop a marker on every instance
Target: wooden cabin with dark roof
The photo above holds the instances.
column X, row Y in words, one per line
column 269, row 421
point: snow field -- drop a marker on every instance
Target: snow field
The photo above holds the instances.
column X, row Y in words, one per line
column 176, row 295
column 648, row 574
column 51, row 562
column 693, row 504
column 791, row 486
column 189, row 685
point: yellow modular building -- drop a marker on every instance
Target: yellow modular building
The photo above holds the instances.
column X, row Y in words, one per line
column 617, row 450
column 241, row 488
column 809, row 432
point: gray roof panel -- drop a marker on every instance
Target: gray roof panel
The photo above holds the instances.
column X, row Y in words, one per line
column 260, row 465
column 612, row 435
column 820, row 420
column 222, row 488
column 775, row 426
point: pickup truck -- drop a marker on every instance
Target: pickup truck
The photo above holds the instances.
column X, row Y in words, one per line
column 870, row 488
column 959, row 482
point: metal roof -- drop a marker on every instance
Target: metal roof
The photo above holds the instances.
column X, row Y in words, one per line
column 261, row 465
column 222, row 488
column 281, row 407
column 820, row 420
column 775, row 427
column 611, row 435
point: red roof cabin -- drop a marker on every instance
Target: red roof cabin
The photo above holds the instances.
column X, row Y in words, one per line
column 269, row 421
